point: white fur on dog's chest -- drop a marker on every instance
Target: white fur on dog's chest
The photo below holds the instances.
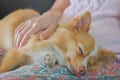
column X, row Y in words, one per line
column 38, row 57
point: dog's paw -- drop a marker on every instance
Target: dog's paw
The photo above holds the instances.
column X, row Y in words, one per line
column 49, row 60
column 92, row 64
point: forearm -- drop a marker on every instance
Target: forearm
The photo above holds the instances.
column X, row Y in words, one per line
column 60, row 5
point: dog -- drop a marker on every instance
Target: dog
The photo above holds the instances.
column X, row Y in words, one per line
column 70, row 45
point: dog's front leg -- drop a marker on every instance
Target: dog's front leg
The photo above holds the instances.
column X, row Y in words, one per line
column 12, row 60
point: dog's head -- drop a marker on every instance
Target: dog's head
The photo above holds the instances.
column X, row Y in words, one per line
column 78, row 46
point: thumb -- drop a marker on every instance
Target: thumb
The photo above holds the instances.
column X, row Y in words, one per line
column 47, row 33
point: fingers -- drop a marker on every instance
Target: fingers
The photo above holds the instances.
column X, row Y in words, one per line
column 25, row 31
column 17, row 32
column 29, row 32
column 22, row 39
column 45, row 34
column 20, row 34
column 25, row 34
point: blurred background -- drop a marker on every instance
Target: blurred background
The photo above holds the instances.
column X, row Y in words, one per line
column 7, row 6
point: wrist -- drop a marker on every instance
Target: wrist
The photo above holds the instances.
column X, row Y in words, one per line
column 57, row 12
column 54, row 12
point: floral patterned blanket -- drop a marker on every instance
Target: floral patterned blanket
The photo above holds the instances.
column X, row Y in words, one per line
column 110, row 71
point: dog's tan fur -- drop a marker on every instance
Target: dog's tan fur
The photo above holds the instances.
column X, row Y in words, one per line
column 68, row 38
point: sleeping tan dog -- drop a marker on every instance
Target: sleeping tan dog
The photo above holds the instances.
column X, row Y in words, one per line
column 70, row 45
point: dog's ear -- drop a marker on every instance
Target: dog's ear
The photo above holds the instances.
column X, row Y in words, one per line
column 82, row 23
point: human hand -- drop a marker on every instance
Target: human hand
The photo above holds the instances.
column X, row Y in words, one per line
column 46, row 23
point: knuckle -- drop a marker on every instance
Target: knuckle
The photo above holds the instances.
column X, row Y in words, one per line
column 34, row 24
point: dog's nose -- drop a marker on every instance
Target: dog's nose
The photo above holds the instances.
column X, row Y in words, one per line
column 82, row 70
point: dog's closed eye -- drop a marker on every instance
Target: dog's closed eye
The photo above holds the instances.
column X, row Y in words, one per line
column 80, row 52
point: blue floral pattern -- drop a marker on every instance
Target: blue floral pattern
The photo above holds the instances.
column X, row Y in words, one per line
column 109, row 71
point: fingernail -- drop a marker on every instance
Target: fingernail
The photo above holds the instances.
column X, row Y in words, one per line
column 41, row 38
